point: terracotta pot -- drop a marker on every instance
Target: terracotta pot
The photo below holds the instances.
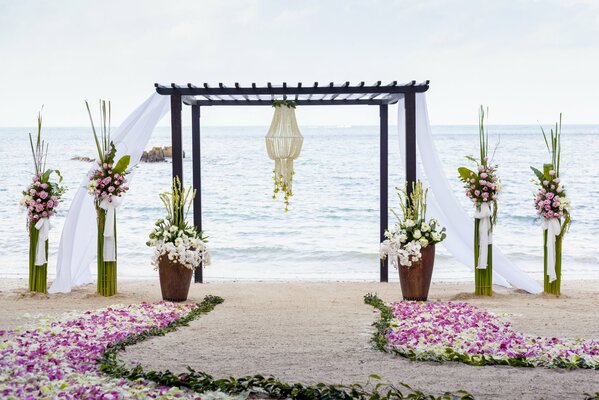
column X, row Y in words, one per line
column 175, row 280
column 416, row 280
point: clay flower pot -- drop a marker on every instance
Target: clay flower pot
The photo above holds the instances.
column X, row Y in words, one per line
column 416, row 280
column 175, row 280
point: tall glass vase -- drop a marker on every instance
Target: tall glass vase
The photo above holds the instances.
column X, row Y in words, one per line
column 38, row 274
column 483, row 278
column 106, row 269
column 555, row 286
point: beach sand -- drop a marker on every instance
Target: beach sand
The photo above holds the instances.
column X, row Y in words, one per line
column 320, row 332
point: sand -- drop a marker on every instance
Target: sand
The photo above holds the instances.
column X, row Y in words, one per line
column 320, row 332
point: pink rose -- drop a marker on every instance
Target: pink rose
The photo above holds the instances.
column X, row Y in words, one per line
column 556, row 180
column 468, row 193
column 481, row 168
column 43, row 194
column 545, row 183
column 32, row 192
column 552, row 172
column 35, row 217
column 111, row 189
column 484, row 175
column 550, row 195
column 477, row 193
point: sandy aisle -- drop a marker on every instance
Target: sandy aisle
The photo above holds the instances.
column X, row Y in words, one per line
column 320, row 332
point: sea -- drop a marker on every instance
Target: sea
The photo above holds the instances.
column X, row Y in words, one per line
column 331, row 232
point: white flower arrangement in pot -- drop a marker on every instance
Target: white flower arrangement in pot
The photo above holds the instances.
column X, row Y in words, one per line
column 179, row 248
column 410, row 243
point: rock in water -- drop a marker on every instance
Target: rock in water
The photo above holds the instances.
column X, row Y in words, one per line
column 82, row 158
column 158, row 154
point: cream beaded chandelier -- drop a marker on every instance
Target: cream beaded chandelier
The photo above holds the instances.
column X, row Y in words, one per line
column 284, row 144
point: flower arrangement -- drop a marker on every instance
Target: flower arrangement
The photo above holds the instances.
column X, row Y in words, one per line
column 107, row 184
column 482, row 186
column 411, row 232
column 552, row 206
column 448, row 331
column 59, row 359
column 40, row 198
column 173, row 237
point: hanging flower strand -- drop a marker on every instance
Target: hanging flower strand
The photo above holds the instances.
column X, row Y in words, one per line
column 284, row 144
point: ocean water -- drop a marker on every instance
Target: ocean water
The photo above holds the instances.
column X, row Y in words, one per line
column 331, row 231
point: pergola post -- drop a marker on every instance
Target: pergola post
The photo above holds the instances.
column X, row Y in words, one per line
column 176, row 136
column 384, row 184
column 410, row 106
column 197, row 179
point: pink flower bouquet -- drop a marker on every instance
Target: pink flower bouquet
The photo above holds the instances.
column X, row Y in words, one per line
column 482, row 187
column 40, row 198
column 552, row 206
column 107, row 184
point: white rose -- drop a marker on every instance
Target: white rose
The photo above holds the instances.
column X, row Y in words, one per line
column 403, row 238
column 436, row 236
column 423, row 242
column 417, row 234
column 174, row 229
column 409, row 223
column 425, row 227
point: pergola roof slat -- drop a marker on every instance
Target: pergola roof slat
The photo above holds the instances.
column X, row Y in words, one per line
column 316, row 94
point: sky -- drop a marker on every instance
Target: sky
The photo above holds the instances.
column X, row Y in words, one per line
column 527, row 60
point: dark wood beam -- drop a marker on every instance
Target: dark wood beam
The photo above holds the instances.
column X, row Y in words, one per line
column 384, row 184
column 177, row 136
column 271, row 90
column 313, row 102
column 197, row 179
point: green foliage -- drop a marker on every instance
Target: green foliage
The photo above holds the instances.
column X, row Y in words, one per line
column 283, row 103
column 553, row 143
column 40, row 149
column 122, row 164
column 483, row 136
column 256, row 386
column 466, row 174
column 103, row 142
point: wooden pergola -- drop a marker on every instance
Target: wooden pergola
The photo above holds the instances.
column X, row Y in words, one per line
column 303, row 95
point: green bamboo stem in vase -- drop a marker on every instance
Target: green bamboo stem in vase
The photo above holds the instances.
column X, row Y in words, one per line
column 38, row 274
column 483, row 278
column 555, row 286
column 106, row 269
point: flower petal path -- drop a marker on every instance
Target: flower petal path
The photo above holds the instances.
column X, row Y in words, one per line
column 59, row 360
column 448, row 331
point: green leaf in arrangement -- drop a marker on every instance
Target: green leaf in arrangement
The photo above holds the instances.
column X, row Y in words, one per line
column 472, row 159
column 122, row 164
column 538, row 173
column 465, row 174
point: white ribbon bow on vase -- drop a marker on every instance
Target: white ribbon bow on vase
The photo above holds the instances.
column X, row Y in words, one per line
column 485, row 233
column 109, row 234
column 43, row 225
column 554, row 229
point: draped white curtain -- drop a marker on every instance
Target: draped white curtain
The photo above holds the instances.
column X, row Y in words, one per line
column 78, row 241
column 444, row 206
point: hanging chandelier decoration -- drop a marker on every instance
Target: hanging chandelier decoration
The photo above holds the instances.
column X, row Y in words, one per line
column 284, row 144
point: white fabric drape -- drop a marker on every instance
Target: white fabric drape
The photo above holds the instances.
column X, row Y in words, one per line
column 78, row 240
column 444, row 206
